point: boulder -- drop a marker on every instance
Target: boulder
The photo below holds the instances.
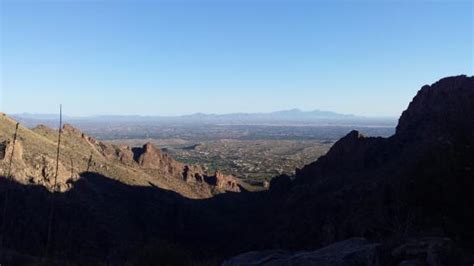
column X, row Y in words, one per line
column 355, row 251
column 432, row 251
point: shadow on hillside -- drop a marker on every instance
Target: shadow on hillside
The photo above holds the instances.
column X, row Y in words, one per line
column 104, row 220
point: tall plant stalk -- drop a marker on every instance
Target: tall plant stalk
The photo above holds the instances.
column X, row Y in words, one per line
column 52, row 205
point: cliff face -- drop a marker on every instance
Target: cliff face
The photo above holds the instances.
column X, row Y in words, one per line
column 149, row 157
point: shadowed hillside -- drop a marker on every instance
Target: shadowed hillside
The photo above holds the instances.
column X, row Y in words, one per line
column 406, row 199
column 101, row 220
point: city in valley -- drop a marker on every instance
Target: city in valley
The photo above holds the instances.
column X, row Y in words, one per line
column 252, row 152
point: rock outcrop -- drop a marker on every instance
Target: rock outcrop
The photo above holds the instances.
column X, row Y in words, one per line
column 8, row 151
column 125, row 154
column 149, row 157
column 44, row 173
column 223, row 182
column 39, row 170
column 440, row 112
column 70, row 129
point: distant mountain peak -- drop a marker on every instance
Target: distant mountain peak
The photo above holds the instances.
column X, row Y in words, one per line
column 293, row 110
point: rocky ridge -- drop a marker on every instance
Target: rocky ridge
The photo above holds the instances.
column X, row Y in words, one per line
column 34, row 162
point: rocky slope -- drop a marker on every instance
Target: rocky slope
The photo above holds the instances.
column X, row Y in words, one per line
column 35, row 153
column 419, row 182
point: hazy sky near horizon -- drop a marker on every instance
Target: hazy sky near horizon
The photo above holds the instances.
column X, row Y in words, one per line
column 181, row 57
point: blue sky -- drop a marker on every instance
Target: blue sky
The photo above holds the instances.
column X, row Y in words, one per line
column 180, row 57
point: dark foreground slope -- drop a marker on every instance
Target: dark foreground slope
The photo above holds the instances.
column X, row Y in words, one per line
column 418, row 183
column 423, row 173
column 101, row 221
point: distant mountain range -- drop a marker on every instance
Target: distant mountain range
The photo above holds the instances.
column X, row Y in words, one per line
column 291, row 116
